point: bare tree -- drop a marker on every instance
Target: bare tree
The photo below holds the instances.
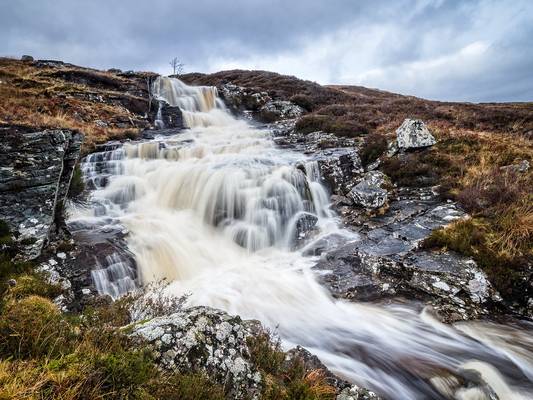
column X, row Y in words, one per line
column 177, row 66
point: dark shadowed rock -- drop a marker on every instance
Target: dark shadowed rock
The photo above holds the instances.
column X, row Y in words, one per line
column 166, row 116
column 26, row 57
column 35, row 173
column 304, row 224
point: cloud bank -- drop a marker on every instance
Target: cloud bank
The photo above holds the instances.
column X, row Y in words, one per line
column 477, row 50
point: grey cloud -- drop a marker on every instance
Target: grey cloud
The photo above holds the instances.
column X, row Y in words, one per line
column 411, row 46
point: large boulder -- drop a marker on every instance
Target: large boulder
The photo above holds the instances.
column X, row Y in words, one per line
column 339, row 168
column 278, row 110
column 413, row 134
column 35, row 172
column 369, row 193
column 204, row 339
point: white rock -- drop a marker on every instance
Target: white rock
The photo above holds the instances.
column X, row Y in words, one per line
column 413, row 134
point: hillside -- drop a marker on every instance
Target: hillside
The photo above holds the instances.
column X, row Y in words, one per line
column 347, row 110
column 103, row 105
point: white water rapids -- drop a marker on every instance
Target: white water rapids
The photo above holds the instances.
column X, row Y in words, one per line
column 215, row 209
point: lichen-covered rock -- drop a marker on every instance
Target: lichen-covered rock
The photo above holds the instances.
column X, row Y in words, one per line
column 368, row 196
column 35, row 173
column 279, row 109
column 369, row 193
column 207, row 340
column 238, row 98
column 413, row 134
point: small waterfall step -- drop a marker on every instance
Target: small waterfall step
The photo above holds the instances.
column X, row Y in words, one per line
column 152, row 133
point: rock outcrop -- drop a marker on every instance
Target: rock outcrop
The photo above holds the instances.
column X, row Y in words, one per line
column 240, row 99
column 166, row 116
column 35, row 172
column 386, row 261
column 414, row 134
column 369, row 193
column 259, row 104
column 206, row 340
column 453, row 285
column 278, row 110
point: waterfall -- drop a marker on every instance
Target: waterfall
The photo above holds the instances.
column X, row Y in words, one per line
column 215, row 210
column 199, row 105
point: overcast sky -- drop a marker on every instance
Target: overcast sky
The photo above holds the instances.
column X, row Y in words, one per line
column 478, row 50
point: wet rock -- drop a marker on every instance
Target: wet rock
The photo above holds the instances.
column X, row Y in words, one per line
column 166, row 116
column 282, row 128
column 325, row 244
column 386, row 263
column 454, row 285
column 278, row 110
column 305, row 223
column 369, row 193
column 413, row 134
column 35, row 173
column 368, row 196
column 337, row 201
column 204, row 339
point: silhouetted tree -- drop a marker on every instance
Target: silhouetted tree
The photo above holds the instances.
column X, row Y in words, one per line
column 177, row 66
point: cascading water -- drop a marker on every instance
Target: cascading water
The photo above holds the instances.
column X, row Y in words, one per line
column 199, row 105
column 215, row 210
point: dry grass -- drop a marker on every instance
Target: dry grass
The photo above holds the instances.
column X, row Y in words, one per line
column 49, row 97
column 499, row 236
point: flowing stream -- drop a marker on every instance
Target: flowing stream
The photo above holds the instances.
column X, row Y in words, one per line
column 217, row 210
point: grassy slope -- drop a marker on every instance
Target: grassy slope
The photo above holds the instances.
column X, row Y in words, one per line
column 67, row 96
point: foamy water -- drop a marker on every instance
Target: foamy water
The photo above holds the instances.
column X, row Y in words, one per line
column 214, row 210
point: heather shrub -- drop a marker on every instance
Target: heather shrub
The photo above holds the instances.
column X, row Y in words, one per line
column 373, row 147
column 304, row 101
